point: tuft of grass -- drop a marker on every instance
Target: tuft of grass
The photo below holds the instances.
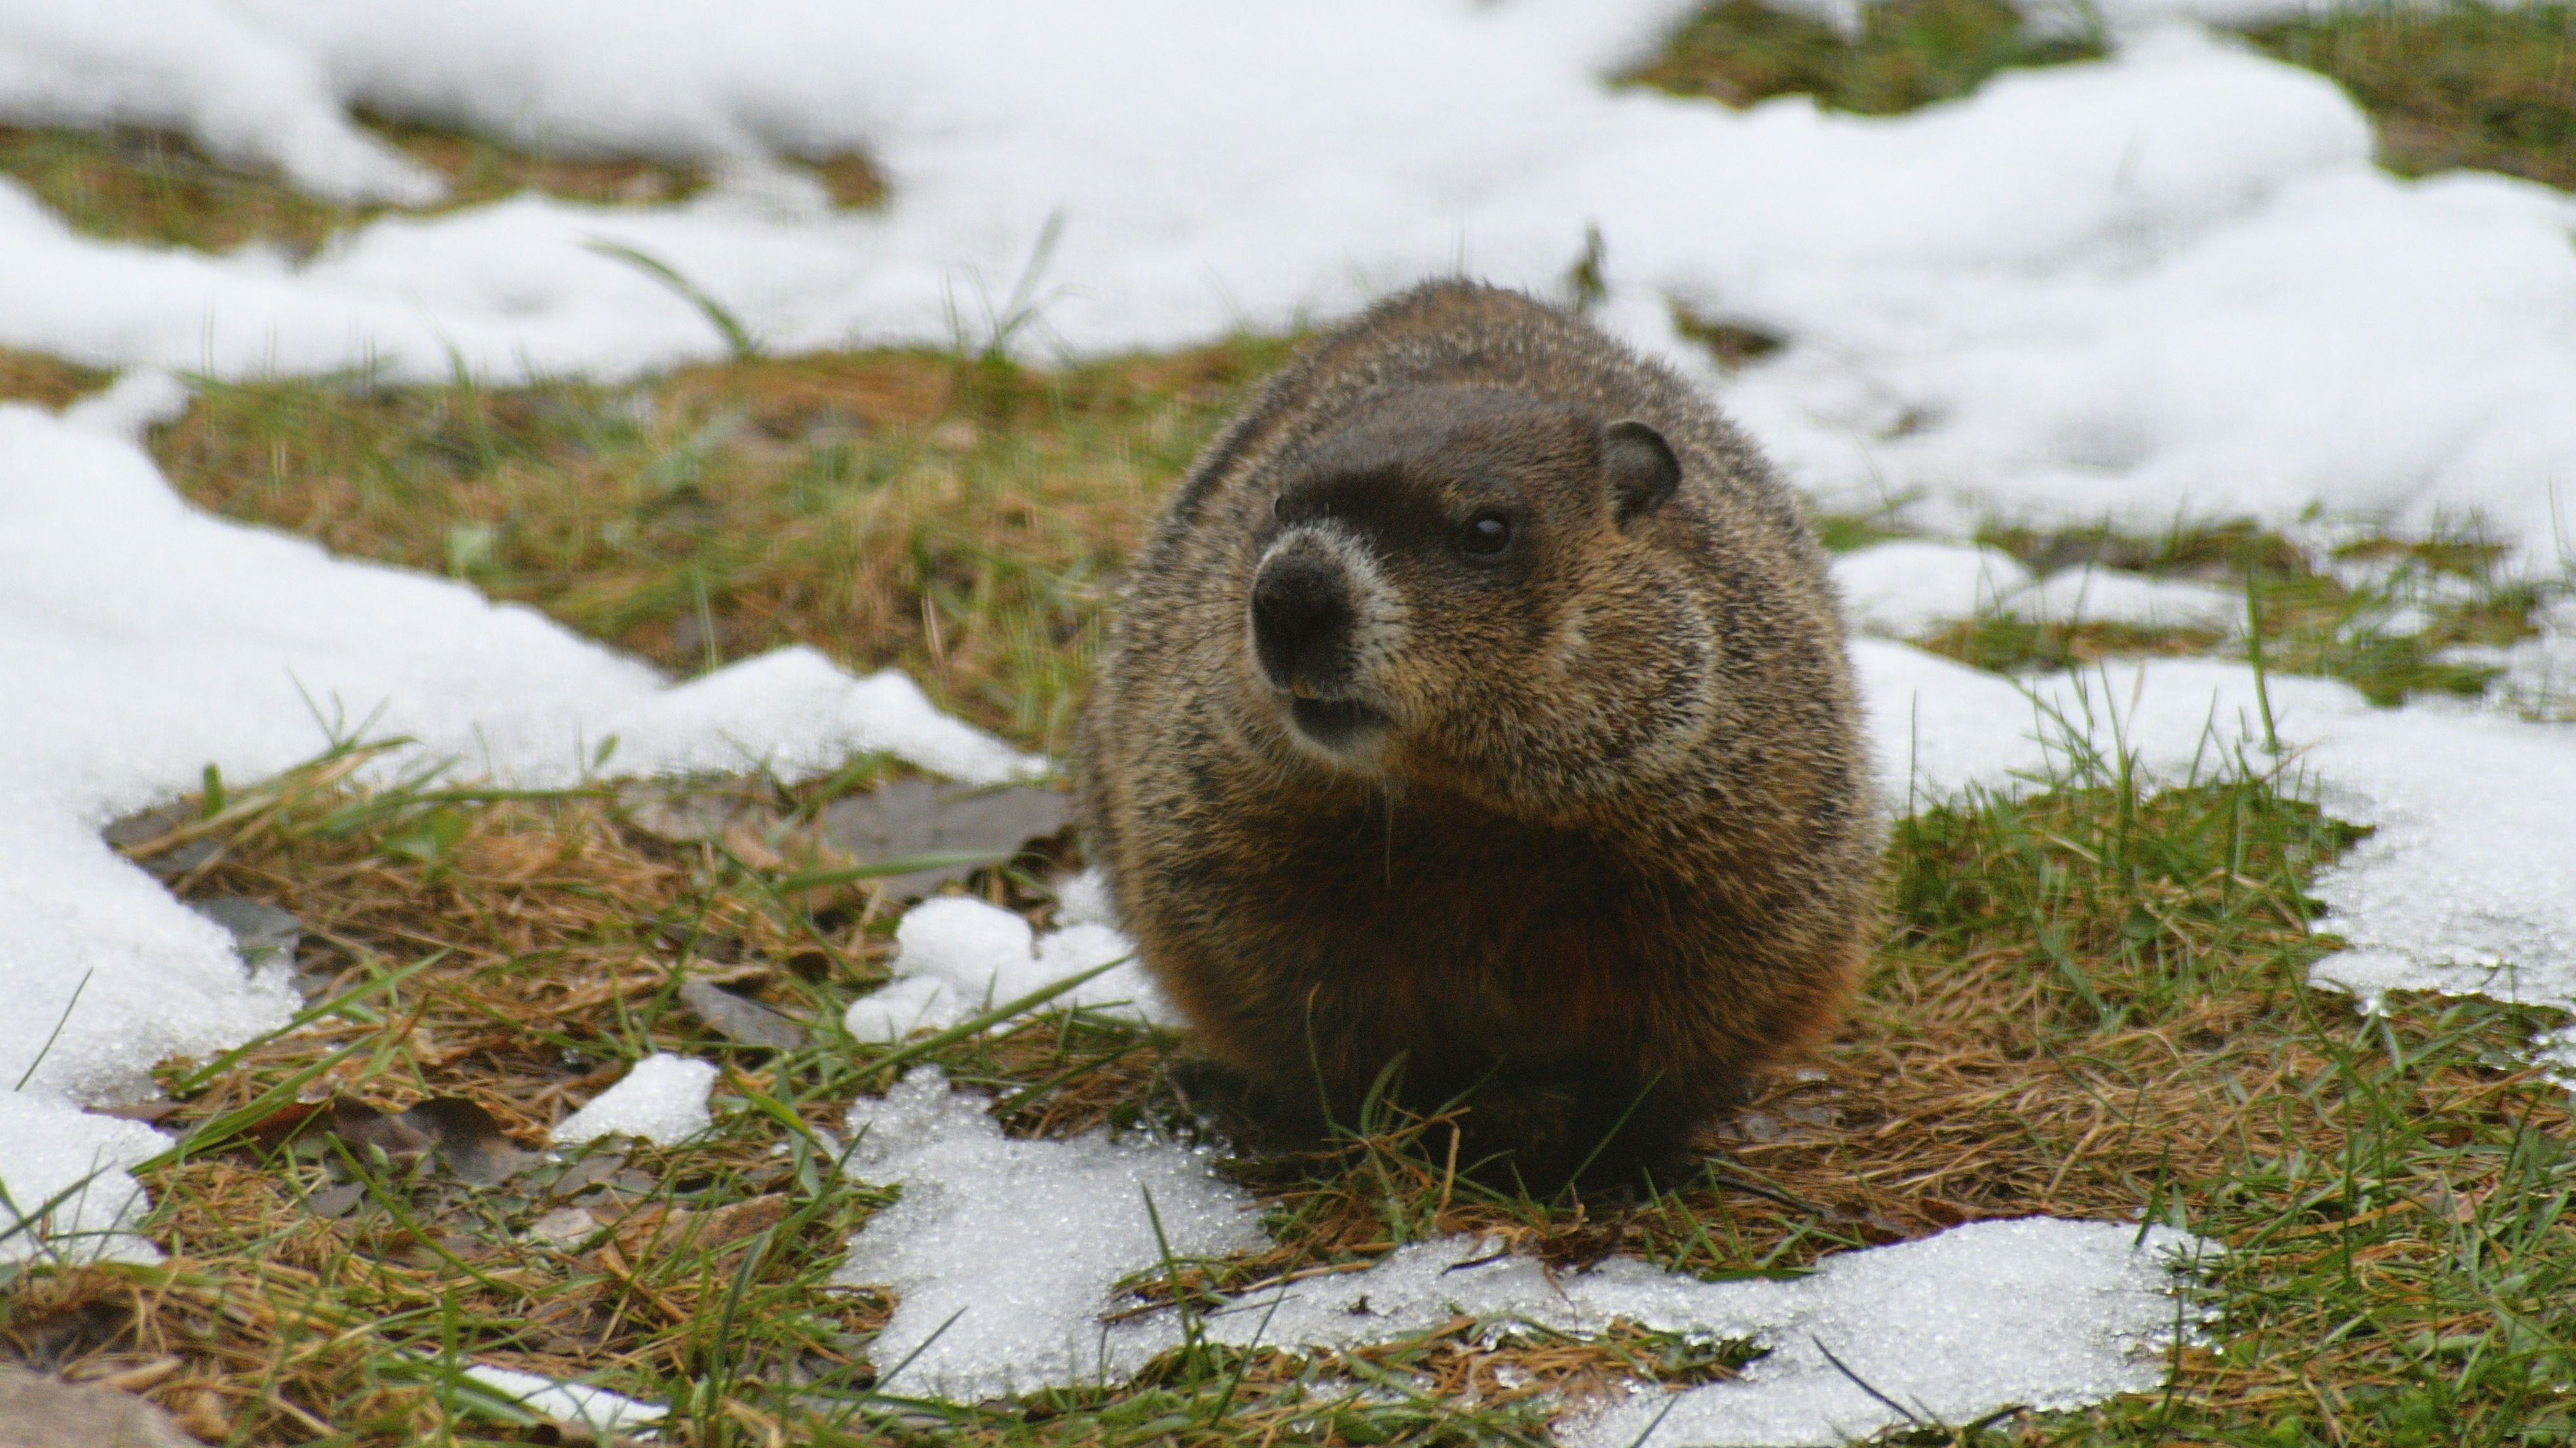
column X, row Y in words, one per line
column 1733, row 345
column 959, row 518
column 1907, row 54
column 2015, row 646
column 45, row 381
column 129, row 184
column 2451, row 85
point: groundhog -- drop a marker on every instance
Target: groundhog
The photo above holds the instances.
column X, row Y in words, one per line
column 1476, row 728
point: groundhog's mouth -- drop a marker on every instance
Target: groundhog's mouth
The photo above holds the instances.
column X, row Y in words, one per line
column 1334, row 723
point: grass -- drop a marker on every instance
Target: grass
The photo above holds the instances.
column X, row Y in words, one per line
column 158, row 187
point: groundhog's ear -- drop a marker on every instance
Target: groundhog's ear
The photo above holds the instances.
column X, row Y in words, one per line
column 1643, row 471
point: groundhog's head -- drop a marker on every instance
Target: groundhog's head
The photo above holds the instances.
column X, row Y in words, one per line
column 1480, row 592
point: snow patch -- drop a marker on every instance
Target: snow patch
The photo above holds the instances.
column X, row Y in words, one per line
column 146, row 639
column 2537, row 677
column 663, row 1100
column 1004, row 1251
column 1005, row 1254
column 2119, row 596
column 209, row 70
column 2044, row 1312
column 2039, row 1312
column 1911, row 586
column 956, row 957
column 72, row 1173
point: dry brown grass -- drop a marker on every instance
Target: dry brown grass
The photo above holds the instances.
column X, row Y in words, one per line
column 1907, row 53
column 44, row 381
column 160, row 187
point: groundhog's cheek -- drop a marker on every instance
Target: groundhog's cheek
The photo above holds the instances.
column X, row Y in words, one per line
column 1643, row 692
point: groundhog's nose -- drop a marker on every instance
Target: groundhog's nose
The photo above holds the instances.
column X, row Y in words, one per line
column 1301, row 624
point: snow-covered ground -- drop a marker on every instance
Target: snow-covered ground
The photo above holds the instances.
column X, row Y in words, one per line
column 2162, row 286
column 1008, row 1298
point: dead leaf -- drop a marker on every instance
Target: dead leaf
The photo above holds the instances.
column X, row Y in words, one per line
column 468, row 1142
column 748, row 843
column 692, row 814
column 41, row 1412
column 593, row 1170
column 139, row 1110
column 140, row 1378
column 564, row 1227
column 903, row 818
column 139, row 836
column 275, row 1129
column 262, row 933
column 150, row 825
column 739, row 1018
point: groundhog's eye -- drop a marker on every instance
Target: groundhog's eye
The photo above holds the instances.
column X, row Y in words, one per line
column 1485, row 535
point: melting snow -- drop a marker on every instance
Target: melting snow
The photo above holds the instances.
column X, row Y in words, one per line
column 2539, row 673
column 2166, row 285
column 1912, row 586
column 663, row 1100
column 2116, row 595
column 1005, row 1251
column 71, row 1172
column 956, row 957
column 2040, row 1311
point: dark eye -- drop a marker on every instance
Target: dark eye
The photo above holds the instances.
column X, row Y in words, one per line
column 1485, row 535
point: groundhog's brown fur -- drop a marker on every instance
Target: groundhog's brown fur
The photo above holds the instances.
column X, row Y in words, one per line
column 1582, row 822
